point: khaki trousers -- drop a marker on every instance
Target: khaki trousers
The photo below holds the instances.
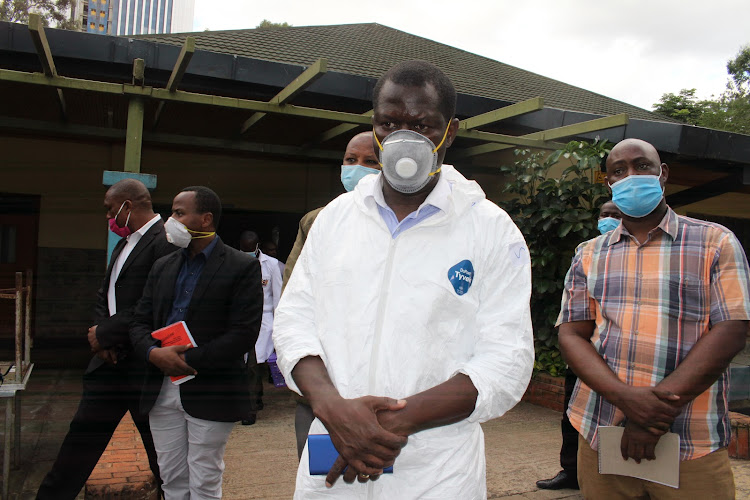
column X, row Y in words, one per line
column 706, row 477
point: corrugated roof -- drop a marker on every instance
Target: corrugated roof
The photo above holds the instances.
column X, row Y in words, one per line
column 371, row 49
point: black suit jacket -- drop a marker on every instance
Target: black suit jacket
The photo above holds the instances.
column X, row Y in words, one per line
column 224, row 318
column 112, row 331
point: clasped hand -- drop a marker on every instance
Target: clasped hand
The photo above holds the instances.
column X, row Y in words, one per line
column 171, row 360
column 650, row 413
column 365, row 446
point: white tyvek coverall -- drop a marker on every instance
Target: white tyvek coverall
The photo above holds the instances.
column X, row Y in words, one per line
column 386, row 320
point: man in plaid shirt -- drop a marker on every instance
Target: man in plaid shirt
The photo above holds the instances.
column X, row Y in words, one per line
column 652, row 314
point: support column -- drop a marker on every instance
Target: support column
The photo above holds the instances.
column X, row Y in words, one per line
column 134, row 137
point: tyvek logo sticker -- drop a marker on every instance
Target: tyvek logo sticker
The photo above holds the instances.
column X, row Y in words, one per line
column 461, row 276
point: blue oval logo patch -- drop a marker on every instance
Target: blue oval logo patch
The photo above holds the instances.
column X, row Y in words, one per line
column 461, row 276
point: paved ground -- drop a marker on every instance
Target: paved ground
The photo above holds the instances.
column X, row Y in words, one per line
column 261, row 459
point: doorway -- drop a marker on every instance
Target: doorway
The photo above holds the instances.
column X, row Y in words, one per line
column 19, row 232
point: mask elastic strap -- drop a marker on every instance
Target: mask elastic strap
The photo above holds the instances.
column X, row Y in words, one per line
column 438, row 147
column 444, row 136
column 118, row 212
column 207, row 235
column 376, row 140
column 203, row 234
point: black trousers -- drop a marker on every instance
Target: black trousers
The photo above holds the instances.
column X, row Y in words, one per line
column 257, row 372
column 569, row 449
column 108, row 392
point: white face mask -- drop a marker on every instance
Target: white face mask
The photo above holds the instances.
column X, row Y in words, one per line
column 177, row 233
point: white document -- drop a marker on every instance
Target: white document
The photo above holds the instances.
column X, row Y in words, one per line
column 665, row 469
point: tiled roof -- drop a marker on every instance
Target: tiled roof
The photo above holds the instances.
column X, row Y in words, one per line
column 371, row 49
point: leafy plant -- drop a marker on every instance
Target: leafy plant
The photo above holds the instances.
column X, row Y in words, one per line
column 555, row 212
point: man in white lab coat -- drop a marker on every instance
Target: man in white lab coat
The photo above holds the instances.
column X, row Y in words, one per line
column 271, row 280
column 406, row 322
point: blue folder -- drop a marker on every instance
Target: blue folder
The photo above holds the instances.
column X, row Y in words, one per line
column 322, row 454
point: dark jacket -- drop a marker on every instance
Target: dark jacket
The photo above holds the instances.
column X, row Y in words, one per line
column 224, row 318
column 112, row 331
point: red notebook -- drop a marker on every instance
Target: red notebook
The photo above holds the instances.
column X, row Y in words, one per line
column 176, row 334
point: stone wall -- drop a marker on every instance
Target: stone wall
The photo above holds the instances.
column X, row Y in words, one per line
column 66, row 283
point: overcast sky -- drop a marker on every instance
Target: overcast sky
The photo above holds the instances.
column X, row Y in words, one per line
column 631, row 50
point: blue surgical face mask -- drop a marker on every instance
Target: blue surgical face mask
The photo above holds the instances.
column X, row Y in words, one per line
column 637, row 195
column 352, row 174
column 607, row 224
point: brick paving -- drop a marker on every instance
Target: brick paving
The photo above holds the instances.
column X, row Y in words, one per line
column 261, row 459
column 123, row 468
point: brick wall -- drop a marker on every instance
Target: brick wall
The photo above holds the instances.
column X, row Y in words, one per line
column 123, row 472
column 546, row 390
column 739, row 446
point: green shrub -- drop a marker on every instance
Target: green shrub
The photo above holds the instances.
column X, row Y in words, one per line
column 554, row 214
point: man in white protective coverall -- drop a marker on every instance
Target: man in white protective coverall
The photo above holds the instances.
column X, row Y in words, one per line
column 406, row 322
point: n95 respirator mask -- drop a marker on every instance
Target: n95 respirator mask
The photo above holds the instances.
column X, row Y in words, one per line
column 408, row 160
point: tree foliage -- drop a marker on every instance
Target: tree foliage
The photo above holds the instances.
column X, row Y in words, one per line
column 684, row 106
column 555, row 214
column 739, row 69
column 265, row 23
column 54, row 13
column 730, row 111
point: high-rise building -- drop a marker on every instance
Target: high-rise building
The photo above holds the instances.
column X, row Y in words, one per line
column 135, row 17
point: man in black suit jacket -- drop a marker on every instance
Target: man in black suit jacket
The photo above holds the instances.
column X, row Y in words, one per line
column 112, row 381
column 217, row 291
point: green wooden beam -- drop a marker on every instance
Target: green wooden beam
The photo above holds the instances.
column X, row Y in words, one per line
column 180, row 96
column 180, row 66
column 586, row 127
column 39, row 37
column 60, row 82
column 139, row 72
column 499, row 141
column 510, row 140
column 337, row 130
column 255, row 118
column 555, row 133
column 134, row 135
column 265, row 107
column 318, row 69
column 520, row 108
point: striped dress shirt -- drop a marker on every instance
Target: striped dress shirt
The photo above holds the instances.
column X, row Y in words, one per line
column 651, row 303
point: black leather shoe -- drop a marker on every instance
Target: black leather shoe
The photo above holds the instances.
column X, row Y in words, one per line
column 563, row 480
column 249, row 420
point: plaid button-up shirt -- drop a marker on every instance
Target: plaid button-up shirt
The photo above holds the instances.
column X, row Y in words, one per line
column 651, row 304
